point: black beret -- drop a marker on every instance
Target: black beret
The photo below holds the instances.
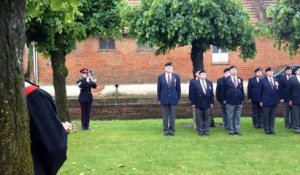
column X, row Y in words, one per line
column 226, row 70
column 297, row 68
column 233, row 67
column 288, row 68
column 269, row 69
column 168, row 64
column 84, row 71
column 202, row 71
column 258, row 69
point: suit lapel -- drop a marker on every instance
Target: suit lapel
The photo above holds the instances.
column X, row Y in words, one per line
column 268, row 82
column 199, row 86
column 232, row 83
column 297, row 81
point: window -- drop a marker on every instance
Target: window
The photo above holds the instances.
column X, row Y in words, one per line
column 107, row 45
column 74, row 46
column 145, row 48
column 219, row 55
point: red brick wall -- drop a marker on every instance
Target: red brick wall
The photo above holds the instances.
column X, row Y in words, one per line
column 127, row 65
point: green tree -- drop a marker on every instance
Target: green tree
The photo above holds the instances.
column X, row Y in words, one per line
column 14, row 133
column 200, row 23
column 55, row 37
column 285, row 26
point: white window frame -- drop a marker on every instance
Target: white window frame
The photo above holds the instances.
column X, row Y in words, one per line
column 219, row 56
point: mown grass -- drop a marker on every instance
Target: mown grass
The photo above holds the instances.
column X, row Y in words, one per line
column 138, row 147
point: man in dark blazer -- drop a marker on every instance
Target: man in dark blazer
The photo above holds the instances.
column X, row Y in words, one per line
column 253, row 91
column 294, row 99
column 269, row 100
column 212, row 121
column 285, row 84
column 190, row 86
column 233, row 96
column 202, row 99
column 220, row 84
column 168, row 94
column 48, row 138
column 85, row 83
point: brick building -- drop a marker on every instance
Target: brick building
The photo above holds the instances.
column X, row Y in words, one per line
column 125, row 62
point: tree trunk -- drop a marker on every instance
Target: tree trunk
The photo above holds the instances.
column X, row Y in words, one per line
column 197, row 57
column 15, row 156
column 60, row 72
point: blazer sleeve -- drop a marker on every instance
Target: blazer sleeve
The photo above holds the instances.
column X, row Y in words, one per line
column 158, row 88
column 223, row 90
column 178, row 87
column 192, row 92
column 249, row 89
column 83, row 83
column 243, row 93
column 280, row 89
column 212, row 94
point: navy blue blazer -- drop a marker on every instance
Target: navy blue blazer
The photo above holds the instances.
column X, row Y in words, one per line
column 295, row 91
column 253, row 89
column 285, row 88
column 168, row 95
column 231, row 94
column 85, row 90
column 220, row 84
column 198, row 98
column 269, row 96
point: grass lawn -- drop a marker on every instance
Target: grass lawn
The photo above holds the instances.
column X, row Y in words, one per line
column 138, row 147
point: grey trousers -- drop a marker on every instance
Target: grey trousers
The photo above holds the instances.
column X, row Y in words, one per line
column 169, row 115
column 269, row 114
column 203, row 120
column 257, row 115
column 233, row 114
column 223, row 114
column 296, row 116
column 288, row 116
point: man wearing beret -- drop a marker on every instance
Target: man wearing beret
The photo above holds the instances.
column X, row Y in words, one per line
column 202, row 99
column 294, row 99
column 191, row 84
column 220, row 85
column 85, row 83
column 269, row 100
column 254, row 97
column 233, row 96
column 168, row 94
column 285, row 84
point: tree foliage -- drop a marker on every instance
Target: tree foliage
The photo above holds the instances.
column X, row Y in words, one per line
column 285, row 26
column 169, row 24
column 55, row 36
column 94, row 17
column 68, row 7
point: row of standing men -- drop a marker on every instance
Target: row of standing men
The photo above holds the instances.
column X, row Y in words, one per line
column 264, row 93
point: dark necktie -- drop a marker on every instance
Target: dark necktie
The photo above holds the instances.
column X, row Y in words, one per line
column 169, row 80
column 271, row 82
column 235, row 82
column 204, row 86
